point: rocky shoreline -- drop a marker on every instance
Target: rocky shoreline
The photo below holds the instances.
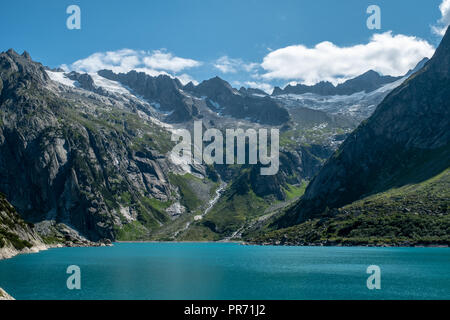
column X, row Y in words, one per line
column 337, row 244
column 10, row 252
column 314, row 244
column 4, row 295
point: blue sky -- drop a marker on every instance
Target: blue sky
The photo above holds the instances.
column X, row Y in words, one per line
column 261, row 42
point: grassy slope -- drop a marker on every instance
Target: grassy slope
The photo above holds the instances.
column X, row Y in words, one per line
column 411, row 215
column 196, row 194
column 234, row 211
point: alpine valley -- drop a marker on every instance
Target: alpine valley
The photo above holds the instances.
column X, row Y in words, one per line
column 85, row 159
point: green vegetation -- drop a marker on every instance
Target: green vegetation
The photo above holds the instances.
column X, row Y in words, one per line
column 416, row 214
column 306, row 136
column 379, row 229
column 142, row 134
column 52, row 239
column 153, row 222
column 294, row 192
column 239, row 207
column 198, row 232
column 9, row 221
column 151, row 212
column 19, row 244
column 150, row 215
column 133, row 231
column 430, row 197
column 234, row 210
column 186, row 185
column 156, row 204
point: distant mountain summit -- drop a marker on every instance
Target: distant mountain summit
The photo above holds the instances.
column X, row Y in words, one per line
column 252, row 91
column 226, row 100
column 183, row 103
column 163, row 90
column 406, row 140
column 367, row 82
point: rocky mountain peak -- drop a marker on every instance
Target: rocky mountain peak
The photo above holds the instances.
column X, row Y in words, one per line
column 85, row 80
column 418, row 66
column 26, row 55
column 366, row 82
column 189, row 87
column 11, row 62
column 162, row 91
column 370, row 75
column 214, row 86
column 440, row 63
column 223, row 98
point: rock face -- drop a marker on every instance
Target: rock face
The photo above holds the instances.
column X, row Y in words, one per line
column 163, row 91
column 405, row 141
column 77, row 159
column 85, row 81
column 16, row 236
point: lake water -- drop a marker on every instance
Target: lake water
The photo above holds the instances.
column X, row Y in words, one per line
column 228, row 271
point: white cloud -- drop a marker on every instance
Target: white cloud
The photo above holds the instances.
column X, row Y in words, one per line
column 444, row 21
column 118, row 61
column 385, row 53
column 268, row 88
column 228, row 65
column 121, row 61
column 166, row 61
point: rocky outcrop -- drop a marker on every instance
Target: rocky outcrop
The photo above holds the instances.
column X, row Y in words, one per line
column 405, row 141
column 16, row 236
column 252, row 91
column 84, row 80
column 4, row 295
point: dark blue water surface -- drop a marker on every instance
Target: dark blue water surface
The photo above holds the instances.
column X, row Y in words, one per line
column 228, row 271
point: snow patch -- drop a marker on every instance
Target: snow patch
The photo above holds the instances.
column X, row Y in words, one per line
column 61, row 78
column 109, row 85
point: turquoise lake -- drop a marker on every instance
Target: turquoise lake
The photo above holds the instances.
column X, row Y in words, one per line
column 228, row 271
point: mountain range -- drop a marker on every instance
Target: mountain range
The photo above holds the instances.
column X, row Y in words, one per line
column 85, row 157
column 394, row 167
column 367, row 82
